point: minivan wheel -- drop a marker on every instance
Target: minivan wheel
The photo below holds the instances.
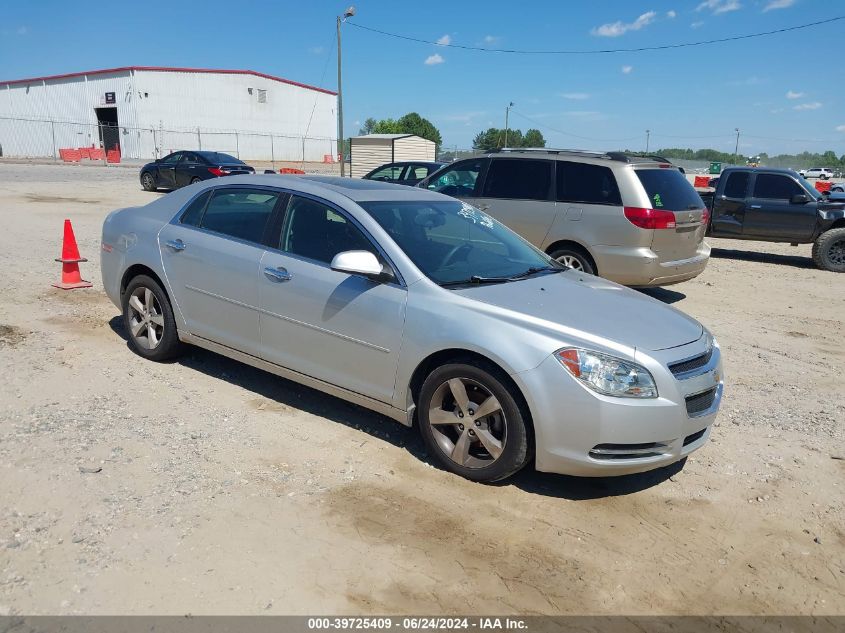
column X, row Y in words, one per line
column 574, row 258
column 149, row 320
column 471, row 423
column 829, row 251
column 148, row 182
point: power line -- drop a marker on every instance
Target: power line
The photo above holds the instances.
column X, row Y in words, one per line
column 583, row 138
column 600, row 51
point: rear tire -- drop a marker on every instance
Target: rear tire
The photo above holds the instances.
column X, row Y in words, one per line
column 829, row 251
column 148, row 182
column 148, row 318
column 575, row 258
column 486, row 448
column 195, row 180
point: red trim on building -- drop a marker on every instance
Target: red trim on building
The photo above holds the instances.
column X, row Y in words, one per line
column 107, row 71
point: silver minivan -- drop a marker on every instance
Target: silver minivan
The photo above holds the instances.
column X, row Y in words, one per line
column 634, row 220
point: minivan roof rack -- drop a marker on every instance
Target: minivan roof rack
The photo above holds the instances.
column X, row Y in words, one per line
column 617, row 156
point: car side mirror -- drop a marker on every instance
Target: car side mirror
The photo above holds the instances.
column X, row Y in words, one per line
column 800, row 198
column 360, row 263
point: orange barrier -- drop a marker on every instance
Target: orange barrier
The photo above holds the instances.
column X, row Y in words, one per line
column 95, row 153
column 290, row 170
column 71, row 277
column 823, row 185
column 113, row 156
column 69, row 155
column 702, row 181
column 328, row 158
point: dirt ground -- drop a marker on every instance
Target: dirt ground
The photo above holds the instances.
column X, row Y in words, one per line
column 226, row 490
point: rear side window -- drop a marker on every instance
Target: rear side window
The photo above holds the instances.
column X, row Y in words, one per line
column 669, row 189
column 240, row 213
column 193, row 214
column 591, row 184
column 737, row 184
column 776, row 187
column 518, row 179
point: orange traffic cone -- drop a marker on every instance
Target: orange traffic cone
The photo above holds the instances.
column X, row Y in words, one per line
column 71, row 278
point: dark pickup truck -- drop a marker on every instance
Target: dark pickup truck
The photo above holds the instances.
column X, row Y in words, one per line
column 778, row 205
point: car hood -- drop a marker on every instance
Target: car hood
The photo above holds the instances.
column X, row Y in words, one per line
column 594, row 306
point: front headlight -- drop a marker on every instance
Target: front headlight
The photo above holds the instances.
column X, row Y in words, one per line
column 607, row 374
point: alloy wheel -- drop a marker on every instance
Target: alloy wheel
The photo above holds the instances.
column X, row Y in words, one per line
column 468, row 423
column 570, row 261
column 148, row 182
column 146, row 321
column 836, row 252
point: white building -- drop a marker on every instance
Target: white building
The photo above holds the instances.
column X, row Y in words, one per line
column 149, row 111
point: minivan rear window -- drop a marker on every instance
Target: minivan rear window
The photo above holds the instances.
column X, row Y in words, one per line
column 669, row 189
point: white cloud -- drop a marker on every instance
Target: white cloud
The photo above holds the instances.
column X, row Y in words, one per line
column 626, row 70
column 22, row 30
column 719, row 6
column 491, row 39
column 463, row 117
column 575, row 96
column 445, row 40
column 615, row 29
column 812, row 105
column 748, row 81
column 840, row 128
column 433, row 60
column 697, row 24
column 778, row 4
column 317, row 50
column 671, row 14
column 791, row 94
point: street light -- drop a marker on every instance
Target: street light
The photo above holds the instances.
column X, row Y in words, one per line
column 341, row 18
column 647, row 135
column 507, row 111
column 736, row 149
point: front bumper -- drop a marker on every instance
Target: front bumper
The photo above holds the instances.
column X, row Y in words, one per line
column 581, row 432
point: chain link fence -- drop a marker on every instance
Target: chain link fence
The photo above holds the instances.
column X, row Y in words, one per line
column 40, row 138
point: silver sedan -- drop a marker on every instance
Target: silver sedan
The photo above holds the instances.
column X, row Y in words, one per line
column 424, row 309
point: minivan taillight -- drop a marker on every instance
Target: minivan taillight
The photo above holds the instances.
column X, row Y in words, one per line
column 650, row 218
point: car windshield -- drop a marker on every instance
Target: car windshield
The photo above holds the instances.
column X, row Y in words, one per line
column 220, row 158
column 669, row 189
column 452, row 242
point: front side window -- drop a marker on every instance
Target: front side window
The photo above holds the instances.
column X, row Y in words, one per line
column 460, row 180
column 590, row 184
column 776, row 187
column 391, row 172
column 737, row 184
column 518, row 179
column 172, row 158
column 240, row 213
column 315, row 230
column 452, row 241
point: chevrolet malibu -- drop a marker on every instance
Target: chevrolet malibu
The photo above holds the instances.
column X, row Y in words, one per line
column 424, row 309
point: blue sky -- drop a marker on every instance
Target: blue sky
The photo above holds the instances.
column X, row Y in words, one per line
column 785, row 92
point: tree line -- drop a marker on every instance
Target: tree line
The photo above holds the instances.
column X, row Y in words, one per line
column 799, row 161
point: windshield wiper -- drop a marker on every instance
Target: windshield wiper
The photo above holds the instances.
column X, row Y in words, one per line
column 539, row 269
column 476, row 279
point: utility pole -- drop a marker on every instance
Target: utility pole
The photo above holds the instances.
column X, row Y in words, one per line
column 507, row 112
column 736, row 150
column 647, row 135
column 346, row 14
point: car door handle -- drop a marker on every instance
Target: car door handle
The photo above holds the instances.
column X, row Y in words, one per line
column 176, row 245
column 756, row 206
column 277, row 274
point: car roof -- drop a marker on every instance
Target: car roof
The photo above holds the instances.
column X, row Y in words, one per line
column 771, row 170
column 334, row 187
column 581, row 155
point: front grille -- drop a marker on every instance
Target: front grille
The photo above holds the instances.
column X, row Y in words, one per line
column 690, row 364
column 689, row 439
column 700, row 402
column 628, row 451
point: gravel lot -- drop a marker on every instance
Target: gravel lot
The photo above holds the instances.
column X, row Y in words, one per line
column 222, row 489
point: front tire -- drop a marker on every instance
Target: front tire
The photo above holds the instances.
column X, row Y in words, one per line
column 574, row 258
column 195, row 180
column 148, row 182
column 148, row 318
column 829, row 251
column 471, row 422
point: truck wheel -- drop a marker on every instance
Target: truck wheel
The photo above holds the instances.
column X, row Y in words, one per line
column 829, row 251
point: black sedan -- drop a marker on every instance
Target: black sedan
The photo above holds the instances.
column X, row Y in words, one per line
column 405, row 173
column 187, row 167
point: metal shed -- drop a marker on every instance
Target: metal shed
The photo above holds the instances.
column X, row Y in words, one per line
column 372, row 150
